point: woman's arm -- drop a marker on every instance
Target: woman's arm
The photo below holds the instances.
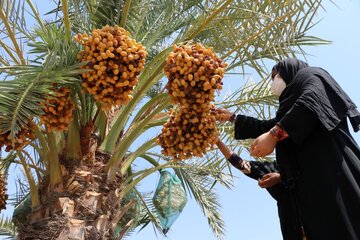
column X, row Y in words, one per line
column 224, row 149
column 264, row 172
column 245, row 127
column 233, row 158
column 249, row 127
column 297, row 124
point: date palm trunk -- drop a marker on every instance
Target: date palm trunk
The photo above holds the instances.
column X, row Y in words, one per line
column 88, row 206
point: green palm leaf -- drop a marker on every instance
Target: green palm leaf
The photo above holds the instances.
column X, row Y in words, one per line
column 21, row 96
column 7, row 228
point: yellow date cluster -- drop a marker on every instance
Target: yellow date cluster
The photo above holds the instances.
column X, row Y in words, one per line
column 115, row 59
column 58, row 110
column 3, row 195
column 23, row 137
column 188, row 134
column 194, row 74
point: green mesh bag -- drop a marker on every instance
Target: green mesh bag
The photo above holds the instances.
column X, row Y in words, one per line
column 133, row 213
column 169, row 199
column 22, row 211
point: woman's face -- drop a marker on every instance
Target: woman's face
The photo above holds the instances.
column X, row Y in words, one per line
column 278, row 84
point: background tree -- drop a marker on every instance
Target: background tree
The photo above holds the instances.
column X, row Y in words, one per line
column 87, row 168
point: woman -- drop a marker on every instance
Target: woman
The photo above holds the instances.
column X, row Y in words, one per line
column 317, row 156
column 267, row 175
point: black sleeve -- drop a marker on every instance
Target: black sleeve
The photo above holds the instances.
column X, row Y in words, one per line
column 278, row 192
column 259, row 169
column 236, row 161
column 299, row 123
column 249, row 127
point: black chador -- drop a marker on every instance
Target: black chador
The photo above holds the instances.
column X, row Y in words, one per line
column 320, row 160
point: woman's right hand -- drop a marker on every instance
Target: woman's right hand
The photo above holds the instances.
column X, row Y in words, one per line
column 223, row 115
column 269, row 180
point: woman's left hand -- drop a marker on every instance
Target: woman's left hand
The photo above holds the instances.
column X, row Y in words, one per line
column 263, row 145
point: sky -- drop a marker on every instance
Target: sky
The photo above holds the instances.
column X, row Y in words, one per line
column 249, row 212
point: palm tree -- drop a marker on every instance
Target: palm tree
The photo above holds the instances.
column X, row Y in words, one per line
column 78, row 176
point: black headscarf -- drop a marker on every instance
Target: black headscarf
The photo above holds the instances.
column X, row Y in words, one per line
column 314, row 88
column 288, row 68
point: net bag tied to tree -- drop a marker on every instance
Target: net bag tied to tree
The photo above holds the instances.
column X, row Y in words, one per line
column 169, row 199
column 132, row 214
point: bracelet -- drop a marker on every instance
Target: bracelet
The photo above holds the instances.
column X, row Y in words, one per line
column 240, row 164
column 236, row 161
column 278, row 133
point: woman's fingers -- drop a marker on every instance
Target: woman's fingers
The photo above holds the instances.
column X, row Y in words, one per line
column 255, row 150
column 266, row 176
column 253, row 144
column 222, row 110
column 264, row 183
column 221, row 114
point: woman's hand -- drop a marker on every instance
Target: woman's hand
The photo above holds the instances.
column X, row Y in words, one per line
column 269, row 180
column 223, row 115
column 263, row 145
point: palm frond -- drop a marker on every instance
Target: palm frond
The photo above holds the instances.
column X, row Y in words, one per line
column 248, row 32
column 27, row 85
column 93, row 14
column 10, row 15
column 161, row 21
column 199, row 177
column 250, row 95
column 21, row 96
column 49, row 41
column 7, row 228
column 200, row 185
column 148, row 214
column 21, row 191
column 6, row 162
